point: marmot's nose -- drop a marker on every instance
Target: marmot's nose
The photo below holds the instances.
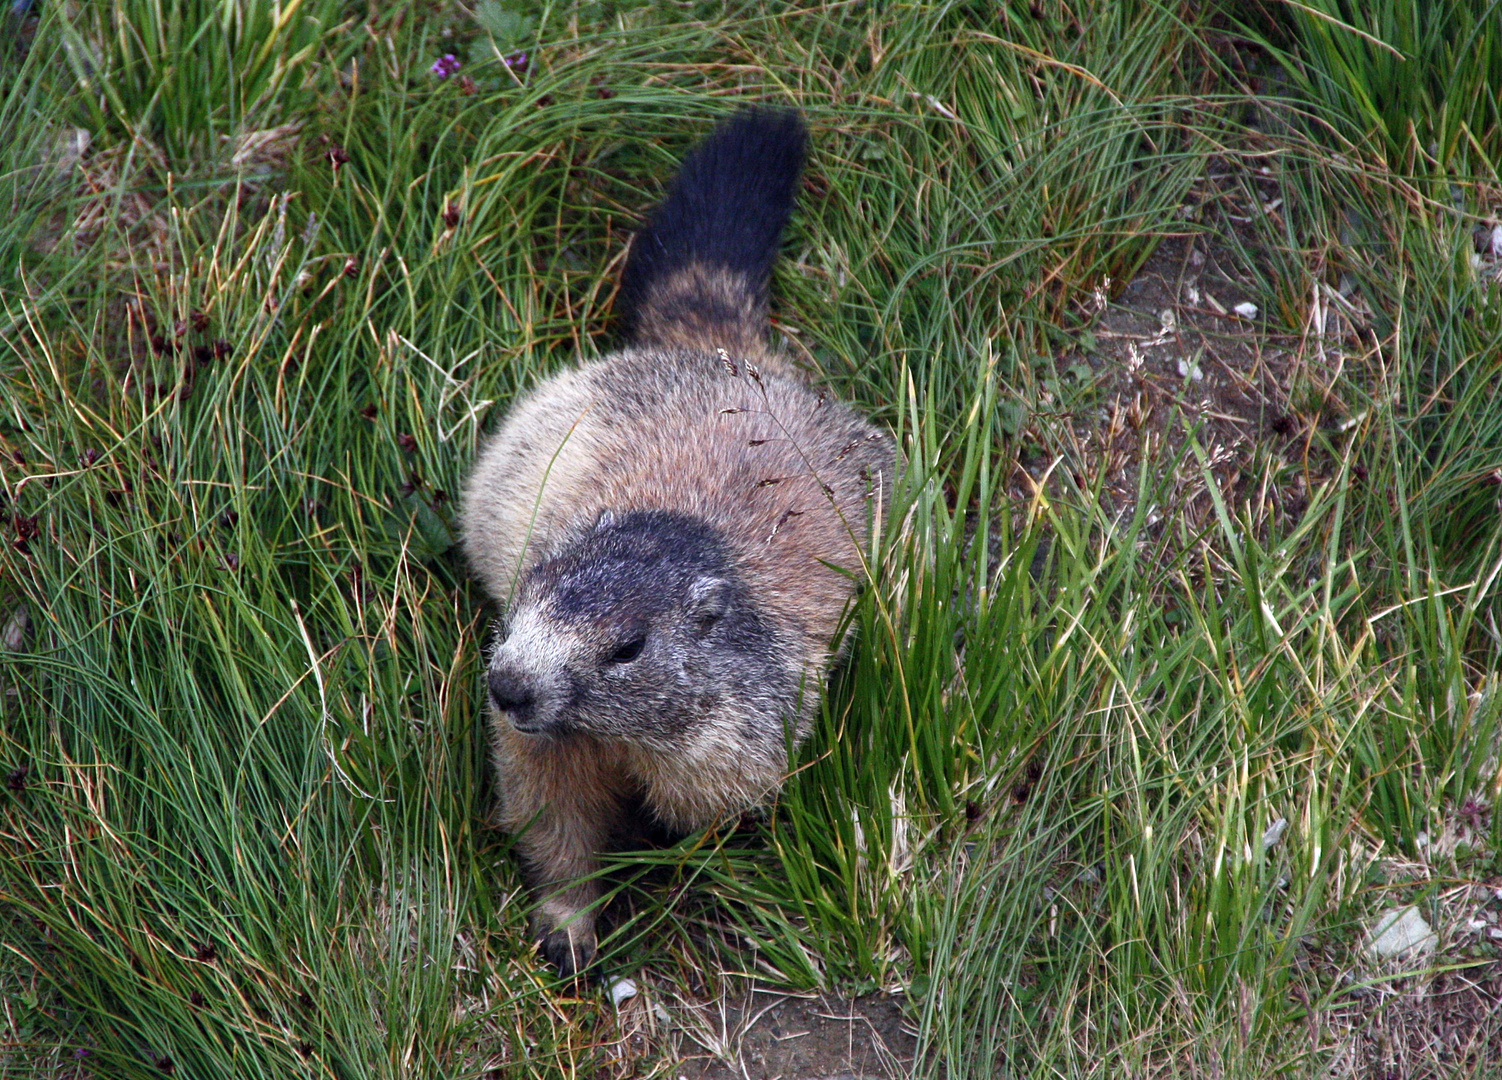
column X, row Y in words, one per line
column 513, row 694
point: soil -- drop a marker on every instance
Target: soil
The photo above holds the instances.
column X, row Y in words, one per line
column 1420, row 1028
column 761, row 1033
column 780, row 1037
column 1172, row 357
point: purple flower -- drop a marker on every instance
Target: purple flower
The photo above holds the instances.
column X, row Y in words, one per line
column 81, row 1053
column 517, row 62
column 446, row 65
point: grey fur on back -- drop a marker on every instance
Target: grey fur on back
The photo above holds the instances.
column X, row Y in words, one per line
column 673, row 532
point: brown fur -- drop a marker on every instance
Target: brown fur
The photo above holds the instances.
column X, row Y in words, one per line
column 702, row 308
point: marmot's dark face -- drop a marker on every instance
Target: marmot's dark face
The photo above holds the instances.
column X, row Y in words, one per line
column 640, row 630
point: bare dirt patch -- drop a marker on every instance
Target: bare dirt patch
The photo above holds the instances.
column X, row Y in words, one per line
column 1447, row 1024
column 768, row 1034
column 1171, row 358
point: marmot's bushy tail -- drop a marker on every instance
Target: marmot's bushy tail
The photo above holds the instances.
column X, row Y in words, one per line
column 697, row 273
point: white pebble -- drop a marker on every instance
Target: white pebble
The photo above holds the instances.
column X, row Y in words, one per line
column 622, row 990
column 1246, row 309
column 1399, row 933
column 1274, row 833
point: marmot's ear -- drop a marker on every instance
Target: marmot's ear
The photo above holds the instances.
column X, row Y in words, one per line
column 608, row 519
column 708, row 600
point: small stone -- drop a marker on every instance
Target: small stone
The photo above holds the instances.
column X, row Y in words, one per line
column 622, row 990
column 1246, row 309
column 1274, row 833
column 1401, row 933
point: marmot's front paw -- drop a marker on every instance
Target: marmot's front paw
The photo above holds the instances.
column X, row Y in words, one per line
column 570, row 950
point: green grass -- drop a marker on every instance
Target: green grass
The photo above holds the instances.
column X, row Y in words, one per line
column 194, row 80
column 1422, row 82
column 1389, row 185
column 243, row 826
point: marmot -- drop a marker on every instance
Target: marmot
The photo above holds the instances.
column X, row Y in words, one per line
column 673, row 533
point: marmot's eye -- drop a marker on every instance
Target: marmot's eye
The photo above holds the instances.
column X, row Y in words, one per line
column 629, row 651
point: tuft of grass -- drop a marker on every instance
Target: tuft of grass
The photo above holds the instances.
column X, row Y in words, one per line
column 1386, row 185
column 220, row 80
column 1424, row 82
column 1401, row 336
column 1000, row 167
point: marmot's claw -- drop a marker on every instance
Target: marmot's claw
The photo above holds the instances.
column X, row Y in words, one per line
column 569, row 955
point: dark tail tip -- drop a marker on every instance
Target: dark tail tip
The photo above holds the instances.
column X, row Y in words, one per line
column 722, row 218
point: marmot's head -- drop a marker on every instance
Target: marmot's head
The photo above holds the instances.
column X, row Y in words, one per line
column 641, row 630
